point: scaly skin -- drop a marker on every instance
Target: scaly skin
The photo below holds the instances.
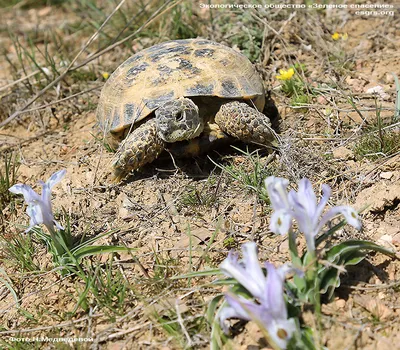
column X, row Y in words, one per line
column 141, row 146
column 235, row 119
column 245, row 123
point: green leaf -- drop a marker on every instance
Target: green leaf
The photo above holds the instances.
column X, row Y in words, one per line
column 300, row 283
column 8, row 284
column 334, row 253
column 330, row 281
column 205, row 273
column 344, row 254
column 212, row 307
column 218, row 338
column 91, row 241
column 94, row 250
column 225, row 282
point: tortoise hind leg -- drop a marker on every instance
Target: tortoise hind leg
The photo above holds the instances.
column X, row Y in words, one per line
column 245, row 123
column 141, row 146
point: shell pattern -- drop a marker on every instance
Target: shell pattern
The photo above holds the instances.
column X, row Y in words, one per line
column 174, row 69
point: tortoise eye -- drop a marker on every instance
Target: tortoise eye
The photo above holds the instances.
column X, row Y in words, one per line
column 180, row 117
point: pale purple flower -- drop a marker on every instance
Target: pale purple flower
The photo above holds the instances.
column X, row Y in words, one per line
column 281, row 219
column 304, row 208
column 39, row 207
column 248, row 272
column 269, row 308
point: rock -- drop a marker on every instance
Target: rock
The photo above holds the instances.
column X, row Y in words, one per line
column 364, row 45
column 378, row 197
column 44, row 11
column 342, row 153
column 385, row 239
column 197, row 237
column 376, row 307
column 124, row 205
column 322, row 100
column 386, row 175
column 389, row 79
column 341, row 303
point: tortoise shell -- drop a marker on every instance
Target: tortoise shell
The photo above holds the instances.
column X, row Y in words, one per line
column 174, row 69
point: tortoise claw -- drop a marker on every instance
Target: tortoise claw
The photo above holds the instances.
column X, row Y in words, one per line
column 119, row 175
column 142, row 146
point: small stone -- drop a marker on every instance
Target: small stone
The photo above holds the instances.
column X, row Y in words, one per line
column 44, row 11
column 381, row 295
column 124, row 211
column 385, row 239
column 389, row 79
column 341, row 303
column 342, row 153
column 322, row 100
column 386, row 175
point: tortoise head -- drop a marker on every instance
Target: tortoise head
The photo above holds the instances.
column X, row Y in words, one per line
column 178, row 120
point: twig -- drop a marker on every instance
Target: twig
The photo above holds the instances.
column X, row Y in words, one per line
column 61, row 100
column 121, row 333
column 5, row 87
column 180, row 321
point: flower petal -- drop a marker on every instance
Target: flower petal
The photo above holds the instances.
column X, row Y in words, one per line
column 58, row 225
column 281, row 331
column 326, row 193
column 39, row 207
column 307, row 196
column 35, row 213
column 233, row 268
column 27, row 191
column 224, row 314
column 349, row 214
column 273, row 298
column 244, row 309
column 252, row 265
column 277, row 192
column 281, row 222
column 56, row 178
column 304, row 220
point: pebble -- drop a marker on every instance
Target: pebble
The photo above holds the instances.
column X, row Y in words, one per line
column 386, row 175
column 341, row 303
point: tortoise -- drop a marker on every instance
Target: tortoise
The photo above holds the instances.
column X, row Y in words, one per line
column 194, row 89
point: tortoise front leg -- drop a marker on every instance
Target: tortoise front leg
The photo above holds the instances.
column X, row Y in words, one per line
column 245, row 123
column 141, row 146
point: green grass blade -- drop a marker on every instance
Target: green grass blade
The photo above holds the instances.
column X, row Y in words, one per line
column 95, row 250
column 212, row 272
column 8, row 284
column 92, row 240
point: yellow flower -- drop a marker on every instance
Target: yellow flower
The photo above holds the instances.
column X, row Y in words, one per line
column 337, row 36
column 105, row 75
column 285, row 74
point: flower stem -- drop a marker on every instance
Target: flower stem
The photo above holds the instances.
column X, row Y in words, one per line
column 313, row 278
column 55, row 239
